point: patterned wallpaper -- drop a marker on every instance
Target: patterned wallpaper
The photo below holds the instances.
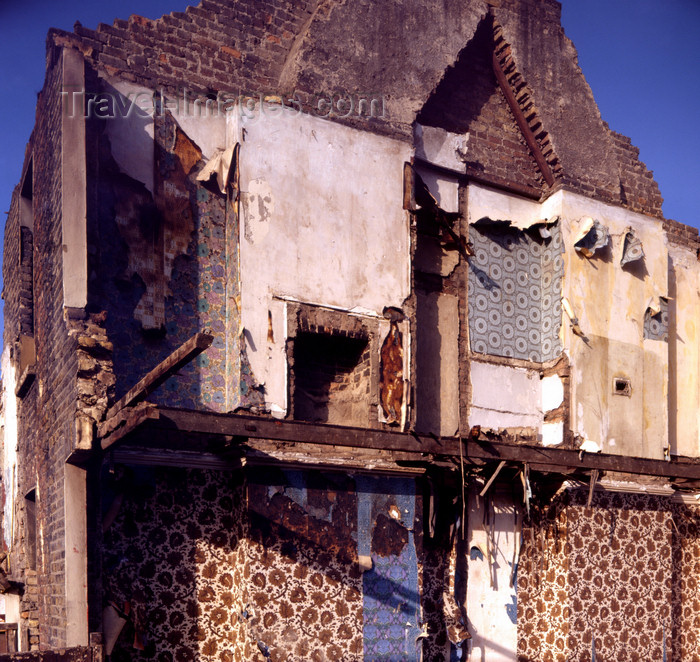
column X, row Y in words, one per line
column 176, row 554
column 514, row 292
column 200, row 290
column 614, row 582
column 214, row 570
column 656, row 324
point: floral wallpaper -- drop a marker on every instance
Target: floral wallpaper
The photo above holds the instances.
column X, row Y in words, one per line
column 596, row 583
column 174, row 559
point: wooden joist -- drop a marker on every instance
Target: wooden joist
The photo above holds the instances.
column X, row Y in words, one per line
column 241, row 427
column 162, row 372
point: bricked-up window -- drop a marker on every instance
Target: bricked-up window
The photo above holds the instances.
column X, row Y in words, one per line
column 30, row 529
column 331, row 379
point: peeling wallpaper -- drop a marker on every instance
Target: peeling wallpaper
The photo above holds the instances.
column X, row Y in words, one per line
column 514, row 291
column 176, row 554
column 176, row 275
column 215, row 569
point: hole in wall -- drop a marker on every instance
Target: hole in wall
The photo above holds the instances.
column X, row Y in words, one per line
column 622, row 386
column 331, row 378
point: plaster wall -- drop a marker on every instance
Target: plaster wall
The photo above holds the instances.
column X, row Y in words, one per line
column 9, row 468
column 610, row 303
column 74, row 186
column 684, row 358
column 491, row 600
column 75, row 503
column 496, row 205
column 437, row 388
column 504, row 396
column 322, row 223
column 130, row 132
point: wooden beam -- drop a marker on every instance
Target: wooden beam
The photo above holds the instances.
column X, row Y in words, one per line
column 560, row 459
column 500, row 466
column 209, row 426
column 257, row 427
column 130, row 423
column 522, row 122
column 163, row 371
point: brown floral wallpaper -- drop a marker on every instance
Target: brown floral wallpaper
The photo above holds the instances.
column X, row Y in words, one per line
column 173, row 558
column 305, row 583
column 686, row 584
column 599, row 582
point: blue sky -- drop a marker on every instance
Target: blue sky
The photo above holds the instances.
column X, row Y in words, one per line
column 639, row 56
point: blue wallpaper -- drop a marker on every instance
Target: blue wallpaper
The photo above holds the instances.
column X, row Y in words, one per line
column 515, row 291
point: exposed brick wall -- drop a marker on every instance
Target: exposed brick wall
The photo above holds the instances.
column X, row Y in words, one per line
column 469, row 99
column 638, row 190
column 682, row 234
column 12, row 282
column 46, row 414
column 332, row 378
column 26, row 292
column 217, row 45
column 252, row 46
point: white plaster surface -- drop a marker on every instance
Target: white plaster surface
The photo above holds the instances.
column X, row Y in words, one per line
column 75, row 513
column 441, row 147
column 9, row 468
column 335, row 232
column 444, row 189
column 505, row 396
column 490, row 598
column 552, row 392
column 74, row 189
column 485, row 202
column 610, row 302
column 684, row 356
column 552, row 433
column 130, row 132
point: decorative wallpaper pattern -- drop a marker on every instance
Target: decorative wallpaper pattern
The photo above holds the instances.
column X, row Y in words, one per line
column 191, row 286
column 305, row 581
column 685, row 634
column 597, row 582
column 656, row 324
column 215, row 570
column 174, row 553
column 514, row 290
column 391, row 610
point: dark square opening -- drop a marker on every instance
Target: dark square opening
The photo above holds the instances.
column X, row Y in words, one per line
column 331, row 379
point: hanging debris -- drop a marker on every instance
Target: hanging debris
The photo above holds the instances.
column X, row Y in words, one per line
column 632, row 249
column 391, row 381
column 219, row 167
column 430, row 212
column 656, row 320
column 591, row 237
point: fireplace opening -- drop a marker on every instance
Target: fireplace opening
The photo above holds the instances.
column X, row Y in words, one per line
column 331, row 379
